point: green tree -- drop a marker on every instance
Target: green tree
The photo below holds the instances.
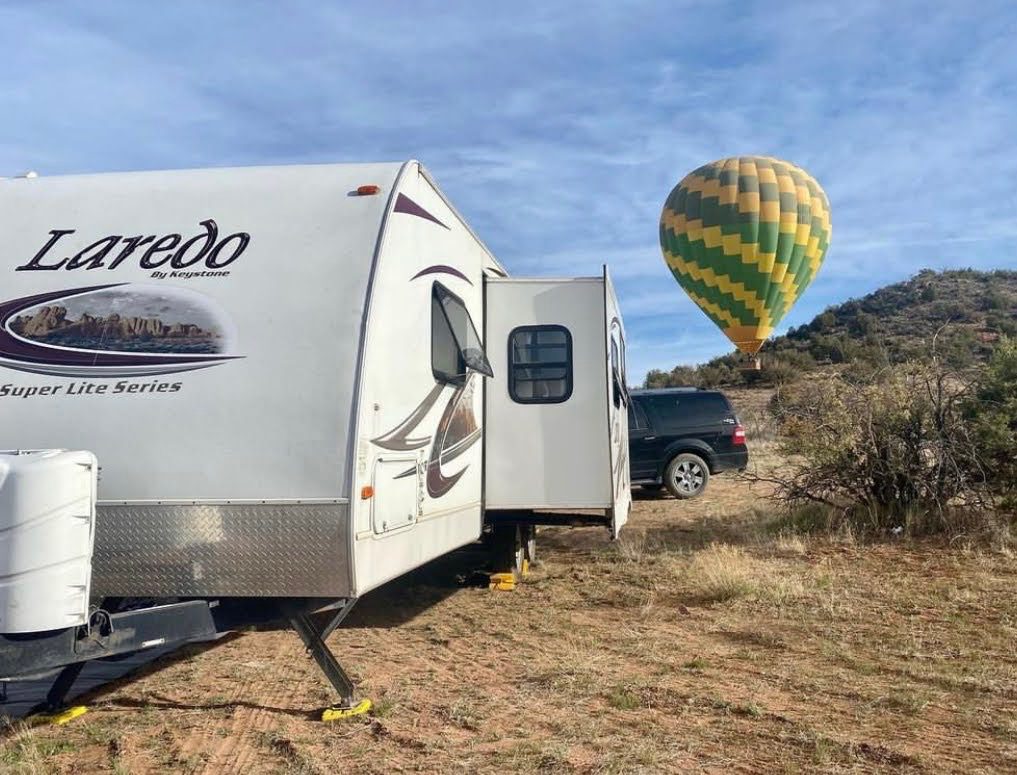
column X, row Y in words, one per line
column 994, row 299
column 823, row 322
column 994, row 413
column 682, row 376
column 655, row 378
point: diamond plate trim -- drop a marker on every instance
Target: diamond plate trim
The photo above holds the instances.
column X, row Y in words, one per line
column 234, row 550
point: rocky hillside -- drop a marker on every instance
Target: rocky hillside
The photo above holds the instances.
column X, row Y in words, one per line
column 957, row 314
column 51, row 324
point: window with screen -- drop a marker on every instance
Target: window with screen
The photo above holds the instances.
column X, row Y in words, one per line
column 455, row 344
column 540, row 364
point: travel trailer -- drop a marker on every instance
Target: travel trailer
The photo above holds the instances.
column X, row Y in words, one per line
column 239, row 395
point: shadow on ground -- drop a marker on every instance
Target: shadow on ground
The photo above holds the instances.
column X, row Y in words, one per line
column 390, row 605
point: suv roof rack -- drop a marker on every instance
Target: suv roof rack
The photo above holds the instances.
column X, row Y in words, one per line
column 676, row 389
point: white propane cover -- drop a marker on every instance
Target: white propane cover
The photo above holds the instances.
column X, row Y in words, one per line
column 47, row 527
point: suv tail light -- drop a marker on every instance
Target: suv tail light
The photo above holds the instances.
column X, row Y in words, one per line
column 739, row 435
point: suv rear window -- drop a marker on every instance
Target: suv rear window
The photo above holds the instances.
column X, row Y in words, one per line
column 681, row 410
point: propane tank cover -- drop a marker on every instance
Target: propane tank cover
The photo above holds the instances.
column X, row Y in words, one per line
column 47, row 530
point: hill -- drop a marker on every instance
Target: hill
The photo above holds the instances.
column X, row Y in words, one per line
column 958, row 314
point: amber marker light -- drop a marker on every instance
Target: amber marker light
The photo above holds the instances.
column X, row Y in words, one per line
column 366, row 492
column 368, row 190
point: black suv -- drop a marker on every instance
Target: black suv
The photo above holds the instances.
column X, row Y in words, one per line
column 679, row 436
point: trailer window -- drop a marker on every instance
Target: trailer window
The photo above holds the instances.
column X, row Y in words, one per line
column 455, row 344
column 540, row 364
column 619, row 390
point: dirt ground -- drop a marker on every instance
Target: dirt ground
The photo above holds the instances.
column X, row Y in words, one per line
column 705, row 640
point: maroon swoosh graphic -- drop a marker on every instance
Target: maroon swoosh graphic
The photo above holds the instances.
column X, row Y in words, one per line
column 437, row 483
column 397, row 438
column 442, row 269
column 406, row 205
column 26, row 352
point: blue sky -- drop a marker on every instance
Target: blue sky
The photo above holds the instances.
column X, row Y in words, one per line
column 558, row 129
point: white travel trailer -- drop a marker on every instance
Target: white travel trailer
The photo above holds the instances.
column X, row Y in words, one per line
column 298, row 382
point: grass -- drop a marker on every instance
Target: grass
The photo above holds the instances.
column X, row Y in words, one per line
column 709, row 638
column 285, row 749
column 722, row 573
column 790, row 545
column 623, row 699
column 750, row 709
column 24, row 752
column 909, row 701
column 463, row 713
column 383, row 706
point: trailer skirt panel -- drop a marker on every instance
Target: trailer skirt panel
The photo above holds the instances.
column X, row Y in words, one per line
column 231, row 550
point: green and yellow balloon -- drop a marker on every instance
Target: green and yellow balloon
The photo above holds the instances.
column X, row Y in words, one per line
column 744, row 237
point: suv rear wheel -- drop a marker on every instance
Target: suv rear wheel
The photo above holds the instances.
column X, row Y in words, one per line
column 686, row 476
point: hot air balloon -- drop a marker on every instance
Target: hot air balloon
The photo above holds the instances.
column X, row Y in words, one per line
column 744, row 237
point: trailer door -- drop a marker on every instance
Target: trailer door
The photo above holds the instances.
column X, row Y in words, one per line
column 618, row 402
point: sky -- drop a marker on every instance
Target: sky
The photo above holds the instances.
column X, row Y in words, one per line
column 558, row 129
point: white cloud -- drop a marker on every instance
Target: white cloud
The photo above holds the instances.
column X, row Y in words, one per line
column 557, row 132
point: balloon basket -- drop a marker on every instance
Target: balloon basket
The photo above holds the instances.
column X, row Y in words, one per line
column 750, row 363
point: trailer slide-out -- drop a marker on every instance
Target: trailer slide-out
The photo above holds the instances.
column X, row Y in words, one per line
column 282, row 387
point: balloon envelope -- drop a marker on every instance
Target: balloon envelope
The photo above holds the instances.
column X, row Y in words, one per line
column 744, row 237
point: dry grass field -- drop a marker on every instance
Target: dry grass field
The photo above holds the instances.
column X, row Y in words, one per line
column 707, row 639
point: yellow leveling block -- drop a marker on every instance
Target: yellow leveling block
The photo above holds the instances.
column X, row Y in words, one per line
column 60, row 718
column 506, row 582
column 503, row 582
column 338, row 714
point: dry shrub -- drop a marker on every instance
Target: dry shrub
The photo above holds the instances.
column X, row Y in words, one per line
column 896, row 452
column 895, row 443
column 758, row 423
